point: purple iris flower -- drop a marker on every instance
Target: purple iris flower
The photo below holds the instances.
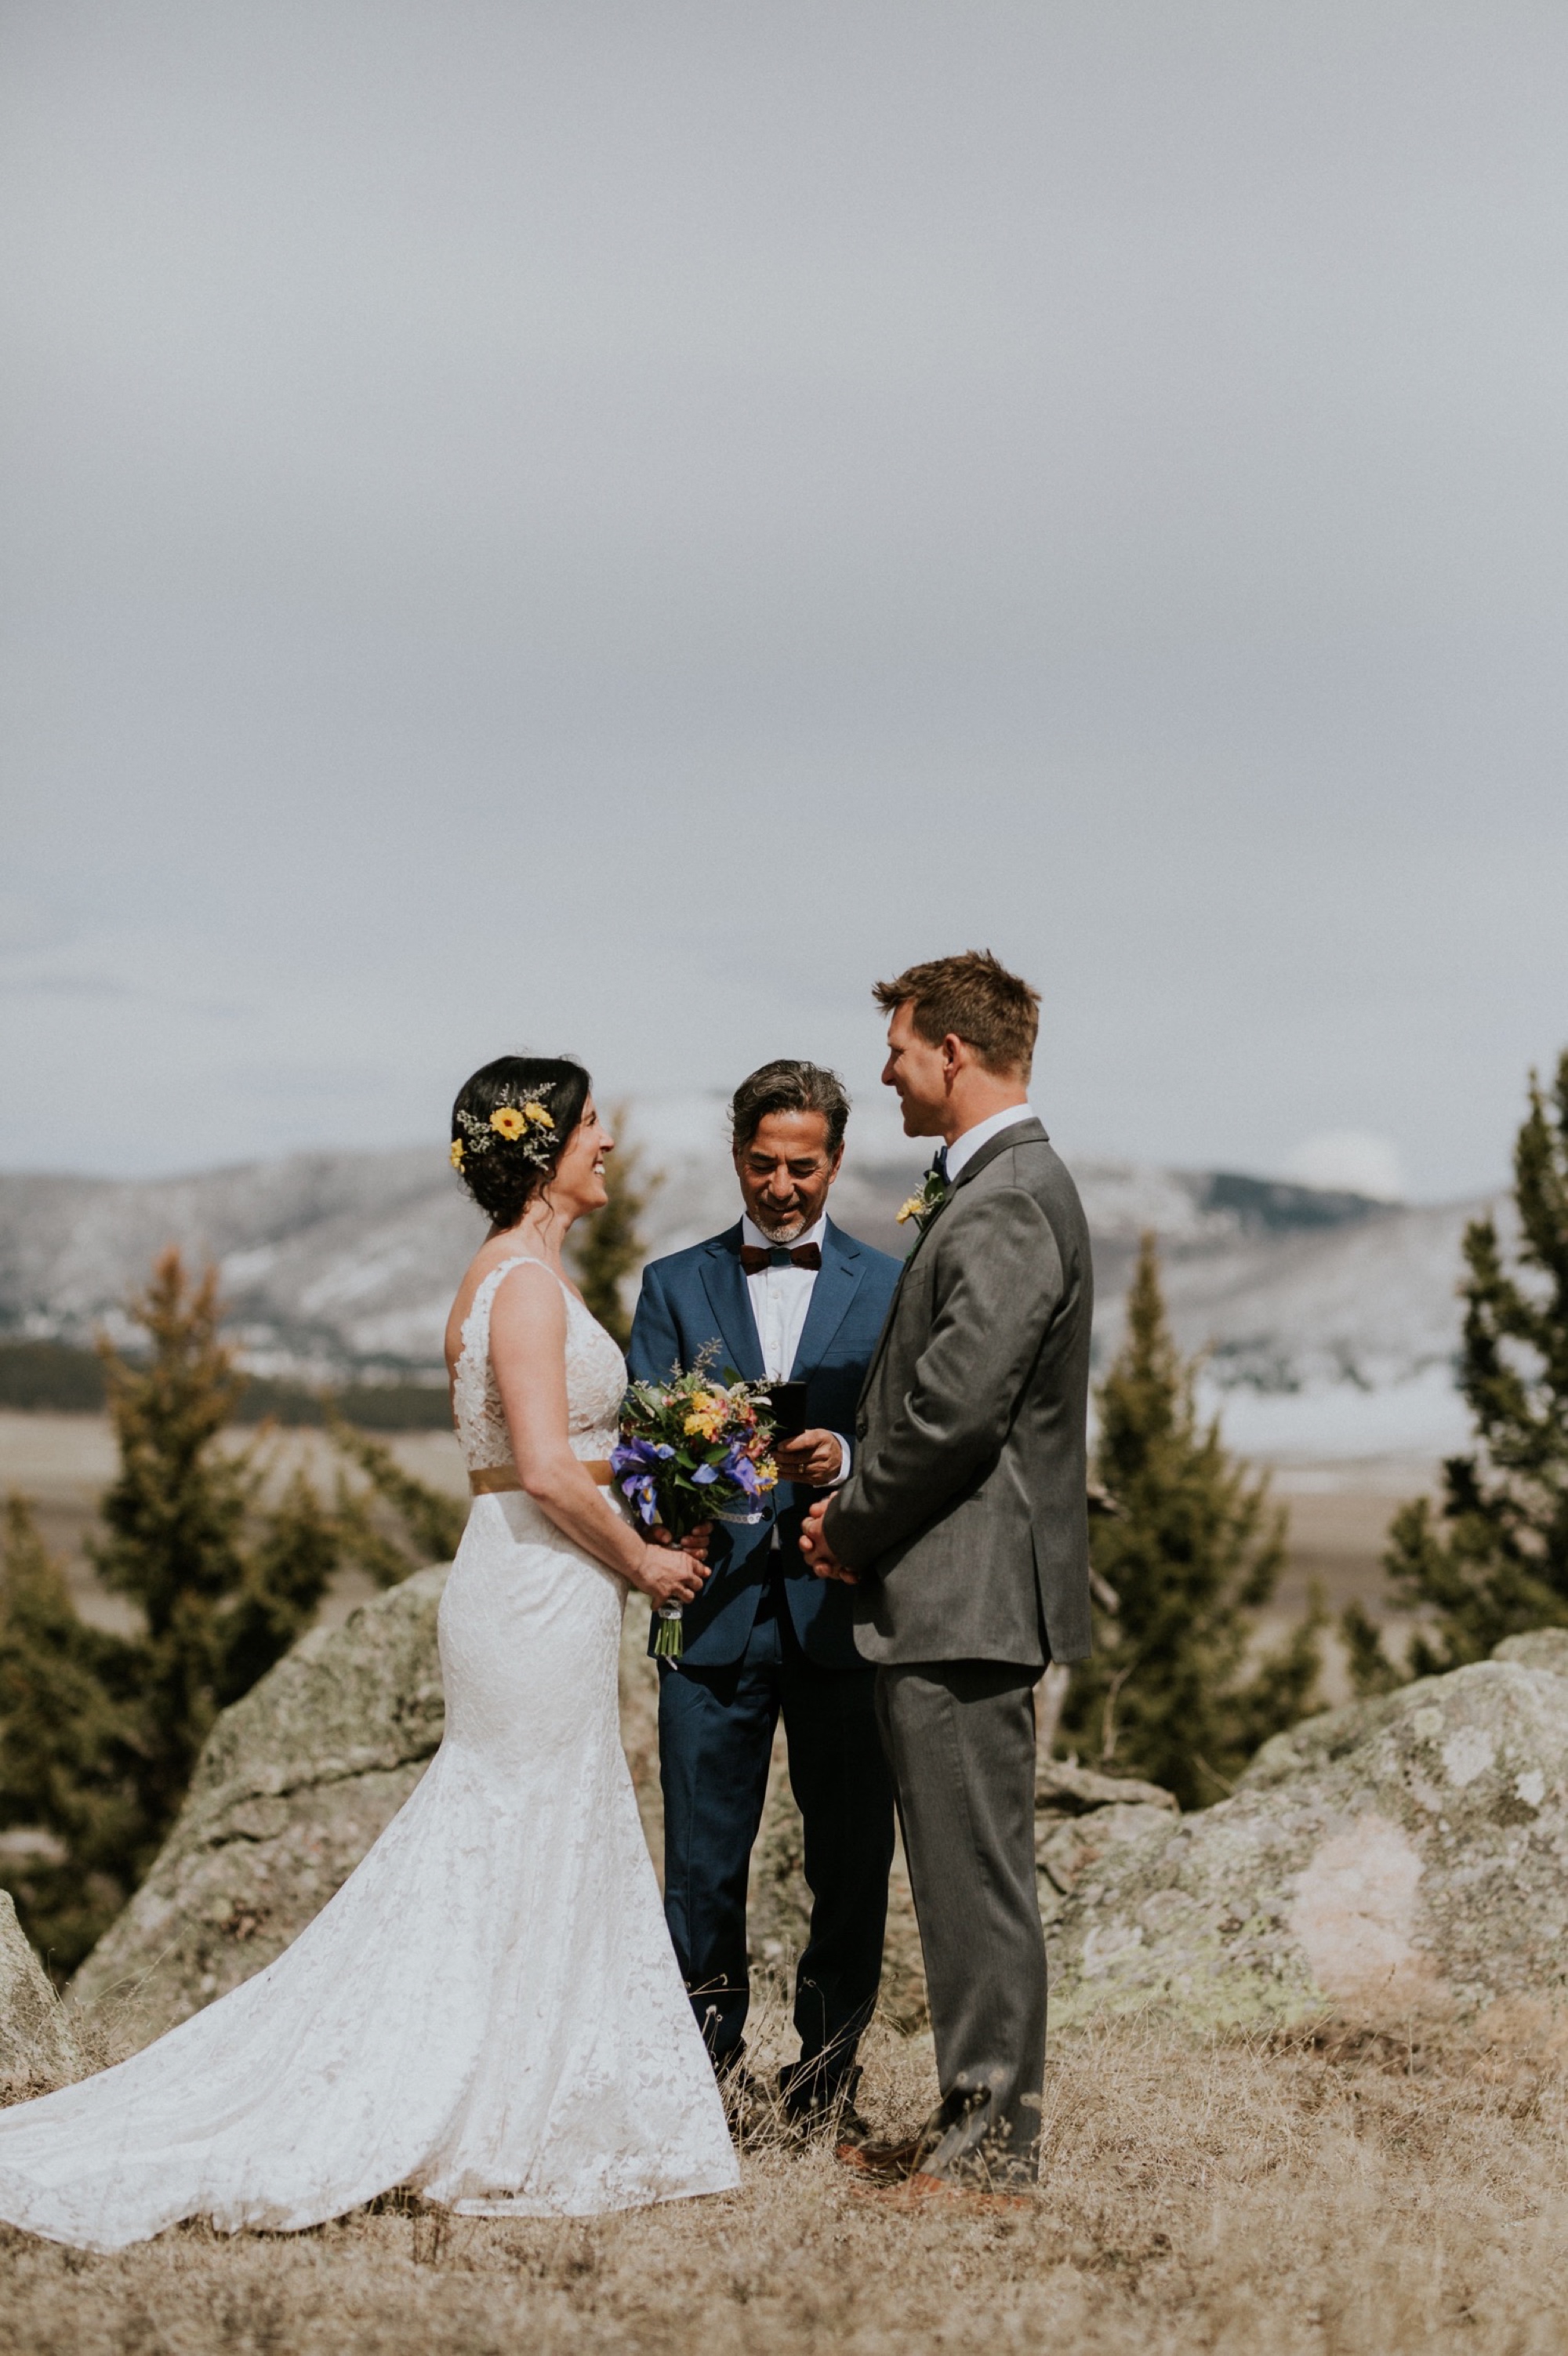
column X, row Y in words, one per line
column 740, row 1469
column 634, row 1464
column 704, row 1474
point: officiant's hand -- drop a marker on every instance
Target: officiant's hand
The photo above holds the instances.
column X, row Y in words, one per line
column 818, row 1552
column 812, row 1457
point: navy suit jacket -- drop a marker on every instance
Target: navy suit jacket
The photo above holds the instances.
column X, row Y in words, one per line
column 698, row 1298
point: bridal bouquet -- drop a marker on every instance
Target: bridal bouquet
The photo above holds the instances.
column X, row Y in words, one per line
column 693, row 1450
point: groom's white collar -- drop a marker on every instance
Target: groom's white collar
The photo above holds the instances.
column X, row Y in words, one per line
column 963, row 1149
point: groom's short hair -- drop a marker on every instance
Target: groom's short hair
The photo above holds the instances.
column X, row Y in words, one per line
column 974, row 998
column 788, row 1087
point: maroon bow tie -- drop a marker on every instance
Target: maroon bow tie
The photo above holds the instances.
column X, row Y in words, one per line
column 754, row 1256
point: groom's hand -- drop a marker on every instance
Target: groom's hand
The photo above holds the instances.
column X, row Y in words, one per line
column 812, row 1457
column 818, row 1552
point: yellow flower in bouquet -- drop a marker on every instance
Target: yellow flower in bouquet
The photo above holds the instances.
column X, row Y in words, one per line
column 707, row 1414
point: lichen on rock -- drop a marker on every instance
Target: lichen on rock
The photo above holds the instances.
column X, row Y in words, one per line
column 1404, row 1855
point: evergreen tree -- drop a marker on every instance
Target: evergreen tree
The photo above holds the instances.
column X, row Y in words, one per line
column 417, row 1523
column 1192, row 1552
column 217, row 1614
column 1493, row 1560
column 606, row 1247
column 1371, row 1670
column 72, row 1740
column 288, row 1566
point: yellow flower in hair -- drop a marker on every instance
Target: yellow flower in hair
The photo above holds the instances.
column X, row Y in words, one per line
column 456, row 1153
column 536, row 1112
column 508, row 1122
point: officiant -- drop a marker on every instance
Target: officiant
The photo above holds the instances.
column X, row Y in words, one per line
column 782, row 1296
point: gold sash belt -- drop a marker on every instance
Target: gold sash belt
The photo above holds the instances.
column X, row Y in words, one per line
column 496, row 1480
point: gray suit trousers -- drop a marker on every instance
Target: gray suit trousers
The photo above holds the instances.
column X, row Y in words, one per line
column 960, row 1735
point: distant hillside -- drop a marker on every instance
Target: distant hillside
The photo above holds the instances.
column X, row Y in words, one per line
column 342, row 1265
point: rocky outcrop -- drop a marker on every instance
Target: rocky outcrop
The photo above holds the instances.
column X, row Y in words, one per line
column 1401, row 1856
column 1079, row 1817
column 36, row 2049
column 295, row 1784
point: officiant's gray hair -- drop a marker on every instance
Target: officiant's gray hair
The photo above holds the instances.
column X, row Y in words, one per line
column 788, row 1087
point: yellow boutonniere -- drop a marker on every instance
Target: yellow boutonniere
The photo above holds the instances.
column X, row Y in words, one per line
column 923, row 1208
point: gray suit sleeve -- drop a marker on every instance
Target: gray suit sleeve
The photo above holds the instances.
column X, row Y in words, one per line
column 999, row 1282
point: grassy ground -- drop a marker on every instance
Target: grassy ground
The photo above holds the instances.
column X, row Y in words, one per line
column 1346, row 2201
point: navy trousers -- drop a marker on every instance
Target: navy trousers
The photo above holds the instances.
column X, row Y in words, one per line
column 715, row 1732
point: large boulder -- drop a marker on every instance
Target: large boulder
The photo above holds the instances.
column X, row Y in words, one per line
column 294, row 1784
column 36, row 2049
column 1399, row 1857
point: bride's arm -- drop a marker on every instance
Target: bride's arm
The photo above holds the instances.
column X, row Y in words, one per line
column 528, row 1352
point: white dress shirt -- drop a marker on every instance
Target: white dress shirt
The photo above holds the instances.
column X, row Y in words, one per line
column 963, row 1149
column 780, row 1300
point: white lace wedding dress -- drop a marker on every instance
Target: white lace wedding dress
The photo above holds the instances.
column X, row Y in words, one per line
column 489, row 2009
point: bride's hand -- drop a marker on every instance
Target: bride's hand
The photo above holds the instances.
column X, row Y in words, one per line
column 671, row 1573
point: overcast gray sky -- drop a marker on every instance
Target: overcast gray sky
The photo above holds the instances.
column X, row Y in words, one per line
column 610, row 527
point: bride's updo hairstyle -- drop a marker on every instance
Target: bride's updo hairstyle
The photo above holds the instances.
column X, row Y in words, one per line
column 509, row 1126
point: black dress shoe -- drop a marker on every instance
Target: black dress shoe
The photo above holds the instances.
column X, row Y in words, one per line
column 815, row 2106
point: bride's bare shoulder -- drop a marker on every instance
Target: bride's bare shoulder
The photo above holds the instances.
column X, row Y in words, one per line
column 526, row 1278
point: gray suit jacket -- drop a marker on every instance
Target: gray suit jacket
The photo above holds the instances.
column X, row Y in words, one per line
column 964, row 1516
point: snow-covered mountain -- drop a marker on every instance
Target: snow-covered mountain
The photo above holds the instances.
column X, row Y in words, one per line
column 339, row 1262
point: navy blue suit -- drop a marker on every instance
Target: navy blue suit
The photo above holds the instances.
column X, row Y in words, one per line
column 767, row 1637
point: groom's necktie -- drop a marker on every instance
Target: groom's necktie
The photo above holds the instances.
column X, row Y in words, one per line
column 754, row 1256
column 940, row 1163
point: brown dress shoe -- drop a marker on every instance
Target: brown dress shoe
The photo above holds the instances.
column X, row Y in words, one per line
column 924, row 2191
column 881, row 2163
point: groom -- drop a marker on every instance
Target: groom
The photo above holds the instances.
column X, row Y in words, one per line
column 783, row 1295
column 963, row 1534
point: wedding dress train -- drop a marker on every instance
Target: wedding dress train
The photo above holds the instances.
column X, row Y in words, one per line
column 489, row 2009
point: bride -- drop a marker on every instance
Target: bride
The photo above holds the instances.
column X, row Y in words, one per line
column 488, row 2010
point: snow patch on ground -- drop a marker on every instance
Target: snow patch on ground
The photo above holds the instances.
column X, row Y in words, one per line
column 1421, row 1416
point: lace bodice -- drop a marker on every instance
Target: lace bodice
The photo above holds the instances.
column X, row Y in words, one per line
column 595, row 1378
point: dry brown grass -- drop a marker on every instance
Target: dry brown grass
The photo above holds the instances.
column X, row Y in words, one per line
column 1345, row 2199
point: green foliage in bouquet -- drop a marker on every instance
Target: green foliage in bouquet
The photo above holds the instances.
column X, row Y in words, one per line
column 694, row 1451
